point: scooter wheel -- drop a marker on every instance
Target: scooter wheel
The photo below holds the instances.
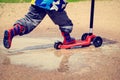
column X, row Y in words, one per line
column 97, row 41
column 56, row 45
column 84, row 36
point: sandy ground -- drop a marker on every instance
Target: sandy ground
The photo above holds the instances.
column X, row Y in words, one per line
column 33, row 57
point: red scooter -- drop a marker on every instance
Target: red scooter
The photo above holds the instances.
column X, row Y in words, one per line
column 86, row 39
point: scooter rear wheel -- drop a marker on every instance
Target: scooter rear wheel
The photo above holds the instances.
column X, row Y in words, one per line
column 57, row 44
column 97, row 41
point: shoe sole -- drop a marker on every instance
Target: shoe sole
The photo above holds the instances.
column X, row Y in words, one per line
column 6, row 40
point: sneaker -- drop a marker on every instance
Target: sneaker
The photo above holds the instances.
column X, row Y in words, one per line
column 9, row 34
column 67, row 38
column 70, row 41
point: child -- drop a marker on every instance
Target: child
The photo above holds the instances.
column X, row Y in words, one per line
column 37, row 11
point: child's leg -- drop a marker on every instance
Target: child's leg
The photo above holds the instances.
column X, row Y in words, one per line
column 9, row 34
column 65, row 25
column 24, row 25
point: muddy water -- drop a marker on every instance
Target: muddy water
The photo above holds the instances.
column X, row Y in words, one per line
column 40, row 54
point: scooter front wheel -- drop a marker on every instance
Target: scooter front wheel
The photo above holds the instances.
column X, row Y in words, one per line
column 97, row 41
column 84, row 36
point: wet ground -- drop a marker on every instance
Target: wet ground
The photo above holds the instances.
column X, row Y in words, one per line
column 40, row 54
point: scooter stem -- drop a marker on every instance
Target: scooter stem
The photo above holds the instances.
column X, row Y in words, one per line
column 92, row 16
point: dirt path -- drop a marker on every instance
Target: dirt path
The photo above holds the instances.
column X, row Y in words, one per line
column 33, row 57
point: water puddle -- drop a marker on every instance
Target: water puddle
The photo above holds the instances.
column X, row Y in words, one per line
column 39, row 53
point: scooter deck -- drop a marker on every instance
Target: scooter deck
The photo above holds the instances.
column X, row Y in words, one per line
column 78, row 43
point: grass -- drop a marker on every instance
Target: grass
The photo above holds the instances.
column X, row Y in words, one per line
column 14, row 1
column 74, row 0
column 21, row 1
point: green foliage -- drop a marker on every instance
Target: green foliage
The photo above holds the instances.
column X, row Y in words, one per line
column 21, row 1
column 14, row 1
column 74, row 0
